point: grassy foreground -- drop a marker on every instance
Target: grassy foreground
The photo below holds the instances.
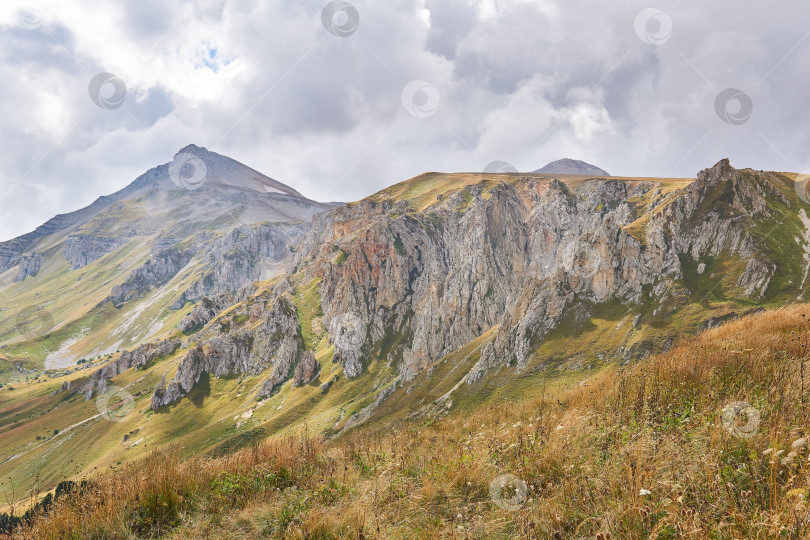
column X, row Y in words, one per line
column 707, row 441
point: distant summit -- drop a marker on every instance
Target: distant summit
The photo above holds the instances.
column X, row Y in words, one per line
column 572, row 166
column 222, row 172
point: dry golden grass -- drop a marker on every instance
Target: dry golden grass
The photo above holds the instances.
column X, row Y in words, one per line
column 634, row 452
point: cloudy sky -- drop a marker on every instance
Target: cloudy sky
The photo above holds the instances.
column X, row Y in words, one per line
column 339, row 100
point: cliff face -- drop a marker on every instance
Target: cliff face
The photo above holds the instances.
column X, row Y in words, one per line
column 10, row 254
column 80, row 250
column 517, row 255
column 448, row 274
column 206, row 309
column 714, row 216
column 241, row 256
column 29, row 266
column 244, row 255
column 720, row 211
column 158, row 269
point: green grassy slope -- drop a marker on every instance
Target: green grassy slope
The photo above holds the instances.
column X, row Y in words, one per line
column 222, row 415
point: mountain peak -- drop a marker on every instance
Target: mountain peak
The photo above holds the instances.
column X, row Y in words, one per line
column 192, row 149
column 221, row 172
column 572, row 166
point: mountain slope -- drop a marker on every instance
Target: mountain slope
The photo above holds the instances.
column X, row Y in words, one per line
column 706, row 441
column 437, row 293
column 148, row 250
column 572, row 166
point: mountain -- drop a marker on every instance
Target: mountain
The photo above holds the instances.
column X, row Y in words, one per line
column 432, row 297
column 572, row 166
column 113, row 274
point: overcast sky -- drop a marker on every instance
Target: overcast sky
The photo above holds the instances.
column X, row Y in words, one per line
column 328, row 103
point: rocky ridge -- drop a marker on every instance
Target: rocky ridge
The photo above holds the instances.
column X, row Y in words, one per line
column 137, row 358
column 244, row 255
column 158, row 269
column 513, row 255
column 241, row 345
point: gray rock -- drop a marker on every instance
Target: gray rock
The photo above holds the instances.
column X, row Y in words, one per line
column 165, row 394
column 157, row 270
column 10, row 254
column 305, row 370
column 273, row 344
column 328, row 384
column 206, row 309
column 29, row 266
column 161, row 243
column 243, row 255
column 136, row 358
column 517, row 256
column 80, row 250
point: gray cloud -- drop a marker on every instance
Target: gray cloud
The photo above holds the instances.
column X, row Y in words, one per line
column 522, row 81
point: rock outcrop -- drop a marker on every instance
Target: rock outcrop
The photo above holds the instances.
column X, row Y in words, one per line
column 158, row 269
column 10, row 254
column 137, row 358
column 231, row 261
column 714, row 215
column 306, row 369
column 244, row 255
column 165, row 394
column 208, row 308
column 274, row 344
column 161, row 243
column 80, row 249
column 29, row 266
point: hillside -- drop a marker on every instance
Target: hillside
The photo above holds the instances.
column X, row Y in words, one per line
column 706, row 441
column 441, row 293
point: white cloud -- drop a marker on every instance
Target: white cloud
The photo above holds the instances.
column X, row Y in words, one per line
column 523, row 81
